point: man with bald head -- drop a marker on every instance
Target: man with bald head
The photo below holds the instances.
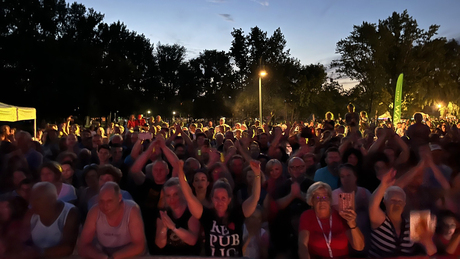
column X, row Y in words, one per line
column 290, row 198
column 53, row 224
column 115, row 225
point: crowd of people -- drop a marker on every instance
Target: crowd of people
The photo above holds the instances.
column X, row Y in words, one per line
column 331, row 188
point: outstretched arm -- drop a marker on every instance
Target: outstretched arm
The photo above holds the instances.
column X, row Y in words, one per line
column 405, row 153
column 194, row 205
column 136, row 169
column 376, row 215
column 250, row 204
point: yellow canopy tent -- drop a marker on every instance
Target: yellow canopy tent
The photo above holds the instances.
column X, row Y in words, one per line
column 15, row 113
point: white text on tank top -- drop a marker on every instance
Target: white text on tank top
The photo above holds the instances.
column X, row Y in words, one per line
column 220, row 234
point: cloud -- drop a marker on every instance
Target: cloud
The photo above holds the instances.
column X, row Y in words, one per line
column 227, row 17
column 263, row 3
column 216, row 1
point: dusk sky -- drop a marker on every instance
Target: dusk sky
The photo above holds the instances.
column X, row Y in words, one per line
column 311, row 27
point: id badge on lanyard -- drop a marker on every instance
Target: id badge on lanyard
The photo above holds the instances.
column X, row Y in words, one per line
column 328, row 240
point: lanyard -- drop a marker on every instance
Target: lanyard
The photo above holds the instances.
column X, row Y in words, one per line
column 328, row 240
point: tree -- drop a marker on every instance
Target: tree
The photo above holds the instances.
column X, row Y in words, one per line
column 375, row 55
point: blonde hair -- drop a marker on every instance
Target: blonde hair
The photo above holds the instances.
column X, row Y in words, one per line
column 270, row 164
column 314, row 188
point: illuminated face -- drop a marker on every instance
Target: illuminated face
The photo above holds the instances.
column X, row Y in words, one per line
column 71, row 140
column 200, row 181
column 395, row 203
column 449, row 226
column 103, row 155
column 321, row 201
column 108, row 201
column 160, row 172
column 332, row 157
column 347, row 178
column 67, row 171
column 276, row 171
column 117, row 153
column 353, row 159
column 173, row 196
column 46, row 175
column 296, row 168
column 221, row 200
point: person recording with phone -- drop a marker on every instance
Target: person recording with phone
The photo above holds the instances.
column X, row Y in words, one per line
column 350, row 192
column 324, row 232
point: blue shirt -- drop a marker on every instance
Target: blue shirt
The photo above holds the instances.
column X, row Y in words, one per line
column 325, row 176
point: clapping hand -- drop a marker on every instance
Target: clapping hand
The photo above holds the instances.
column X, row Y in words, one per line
column 295, row 190
column 167, row 220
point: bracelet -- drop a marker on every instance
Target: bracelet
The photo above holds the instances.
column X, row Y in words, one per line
column 354, row 227
column 257, row 176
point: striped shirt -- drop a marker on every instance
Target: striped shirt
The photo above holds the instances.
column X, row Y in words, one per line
column 386, row 243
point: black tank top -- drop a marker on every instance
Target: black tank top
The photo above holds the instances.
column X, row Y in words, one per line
column 175, row 245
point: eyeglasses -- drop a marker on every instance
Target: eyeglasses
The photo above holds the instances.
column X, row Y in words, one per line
column 299, row 167
column 321, row 198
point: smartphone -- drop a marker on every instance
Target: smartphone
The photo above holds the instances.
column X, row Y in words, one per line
column 145, row 135
column 346, row 201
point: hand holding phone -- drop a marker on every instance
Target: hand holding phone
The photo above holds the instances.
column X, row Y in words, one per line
column 346, row 201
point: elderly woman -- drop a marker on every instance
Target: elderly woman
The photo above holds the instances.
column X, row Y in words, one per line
column 390, row 234
column 177, row 230
column 322, row 231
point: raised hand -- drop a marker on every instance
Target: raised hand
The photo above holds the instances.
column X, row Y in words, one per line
column 389, row 179
column 255, row 166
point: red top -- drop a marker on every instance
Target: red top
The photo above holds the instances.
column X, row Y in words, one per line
column 446, row 242
column 316, row 242
column 140, row 122
column 131, row 124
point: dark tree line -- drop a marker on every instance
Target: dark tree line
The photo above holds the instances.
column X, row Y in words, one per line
column 63, row 59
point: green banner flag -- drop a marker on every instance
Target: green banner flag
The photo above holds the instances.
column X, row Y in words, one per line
column 398, row 97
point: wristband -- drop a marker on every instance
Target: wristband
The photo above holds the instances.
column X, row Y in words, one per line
column 354, row 227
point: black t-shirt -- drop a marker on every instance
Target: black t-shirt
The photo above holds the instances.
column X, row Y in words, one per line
column 224, row 236
column 150, row 193
column 175, row 245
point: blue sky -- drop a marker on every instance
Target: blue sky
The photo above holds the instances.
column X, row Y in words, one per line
column 311, row 27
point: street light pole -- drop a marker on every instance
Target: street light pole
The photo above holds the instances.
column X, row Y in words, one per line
column 261, row 74
column 260, row 99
